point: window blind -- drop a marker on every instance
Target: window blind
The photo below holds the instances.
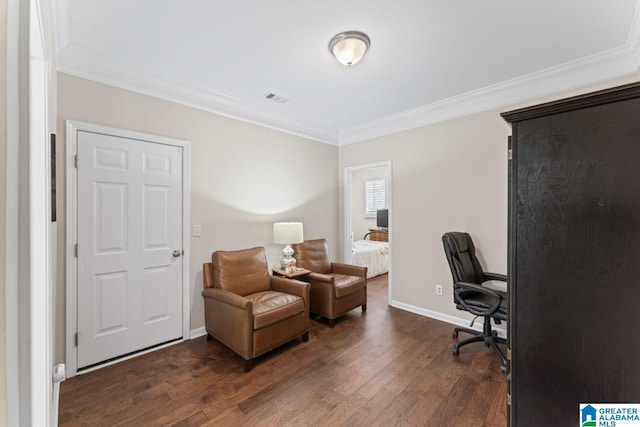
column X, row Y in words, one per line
column 375, row 196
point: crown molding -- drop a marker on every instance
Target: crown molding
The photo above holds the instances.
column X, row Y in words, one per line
column 80, row 61
column 601, row 67
column 60, row 20
column 615, row 63
column 83, row 62
column 633, row 40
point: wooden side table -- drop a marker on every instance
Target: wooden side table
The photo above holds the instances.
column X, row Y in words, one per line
column 298, row 273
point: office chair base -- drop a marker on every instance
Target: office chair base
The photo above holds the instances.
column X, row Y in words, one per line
column 456, row 331
column 488, row 336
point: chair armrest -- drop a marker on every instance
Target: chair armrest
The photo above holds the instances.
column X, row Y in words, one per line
column 462, row 288
column 319, row 277
column 495, row 276
column 229, row 318
column 228, row 298
column 290, row 286
column 349, row 269
column 294, row 287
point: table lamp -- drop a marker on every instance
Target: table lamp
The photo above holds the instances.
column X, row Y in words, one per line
column 287, row 233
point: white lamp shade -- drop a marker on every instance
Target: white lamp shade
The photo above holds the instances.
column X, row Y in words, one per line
column 287, row 232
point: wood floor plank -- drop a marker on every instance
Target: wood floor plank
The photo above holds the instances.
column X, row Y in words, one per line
column 383, row 367
column 371, row 410
column 410, row 358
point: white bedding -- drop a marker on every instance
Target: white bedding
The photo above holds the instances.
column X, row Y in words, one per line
column 373, row 255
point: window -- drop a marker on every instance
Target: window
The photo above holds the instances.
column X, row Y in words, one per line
column 375, row 196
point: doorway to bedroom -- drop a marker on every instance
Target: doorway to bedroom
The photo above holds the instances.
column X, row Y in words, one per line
column 368, row 219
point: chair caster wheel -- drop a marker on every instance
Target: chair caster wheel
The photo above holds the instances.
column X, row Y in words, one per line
column 454, row 334
column 455, row 351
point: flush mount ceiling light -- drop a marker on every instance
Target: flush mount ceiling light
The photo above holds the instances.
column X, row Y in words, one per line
column 349, row 47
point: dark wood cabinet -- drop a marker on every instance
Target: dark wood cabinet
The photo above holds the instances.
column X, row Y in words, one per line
column 574, row 256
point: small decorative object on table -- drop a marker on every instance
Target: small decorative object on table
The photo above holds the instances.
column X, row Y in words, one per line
column 291, row 268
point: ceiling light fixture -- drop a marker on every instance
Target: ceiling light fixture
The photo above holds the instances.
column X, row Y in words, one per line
column 349, row 47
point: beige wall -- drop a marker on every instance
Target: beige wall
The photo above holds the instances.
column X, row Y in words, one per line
column 447, row 176
column 450, row 176
column 243, row 177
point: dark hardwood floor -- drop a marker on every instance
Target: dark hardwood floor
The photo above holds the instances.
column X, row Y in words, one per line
column 384, row 367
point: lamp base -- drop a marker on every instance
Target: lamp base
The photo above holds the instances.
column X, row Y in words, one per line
column 288, row 263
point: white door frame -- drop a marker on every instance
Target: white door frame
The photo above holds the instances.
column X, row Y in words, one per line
column 28, row 280
column 72, row 127
column 41, row 318
column 348, row 223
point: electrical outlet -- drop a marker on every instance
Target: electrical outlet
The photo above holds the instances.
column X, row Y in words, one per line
column 438, row 289
column 197, row 231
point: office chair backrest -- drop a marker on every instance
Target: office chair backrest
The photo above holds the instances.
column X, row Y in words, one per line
column 461, row 255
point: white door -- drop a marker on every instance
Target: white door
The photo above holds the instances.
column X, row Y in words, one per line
column 129, row 246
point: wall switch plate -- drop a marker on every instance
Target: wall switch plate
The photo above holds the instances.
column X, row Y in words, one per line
column 197, row 230
column 438, row 289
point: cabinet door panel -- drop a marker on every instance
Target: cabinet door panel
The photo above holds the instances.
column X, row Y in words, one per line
column 576, row 219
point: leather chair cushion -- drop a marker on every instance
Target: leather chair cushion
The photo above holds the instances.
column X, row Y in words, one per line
column 347, row 285
column 313, row 255
column 241, row 272
column 270, row 307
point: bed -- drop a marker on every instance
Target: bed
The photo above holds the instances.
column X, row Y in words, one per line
column 371, row 254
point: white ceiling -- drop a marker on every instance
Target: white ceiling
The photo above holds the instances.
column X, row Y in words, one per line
column 429, row 60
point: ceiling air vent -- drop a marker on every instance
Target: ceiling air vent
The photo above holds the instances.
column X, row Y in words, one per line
column 275, row 98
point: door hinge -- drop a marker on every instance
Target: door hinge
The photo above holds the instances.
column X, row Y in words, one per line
column 508, row 354
column 509, row 399
column 76, row 339
column 75, row 250
column 75, row 161
column 510, row 154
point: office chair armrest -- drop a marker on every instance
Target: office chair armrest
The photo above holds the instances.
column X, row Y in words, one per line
column 495, row 276
column 461, row 288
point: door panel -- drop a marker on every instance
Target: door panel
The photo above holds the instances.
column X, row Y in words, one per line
column 111, row 293
column 156, row 291
column 129, row 224
column 111, row 221
column 156, row 201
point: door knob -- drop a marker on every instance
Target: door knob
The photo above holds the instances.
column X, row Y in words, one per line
column 177, row 253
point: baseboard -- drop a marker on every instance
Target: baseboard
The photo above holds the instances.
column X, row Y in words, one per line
column 458, row 321
column 198, row 332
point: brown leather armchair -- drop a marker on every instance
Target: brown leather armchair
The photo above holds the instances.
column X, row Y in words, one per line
column 248, row 310
column 336, row 288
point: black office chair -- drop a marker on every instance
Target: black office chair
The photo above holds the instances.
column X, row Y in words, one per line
column 471, row 296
